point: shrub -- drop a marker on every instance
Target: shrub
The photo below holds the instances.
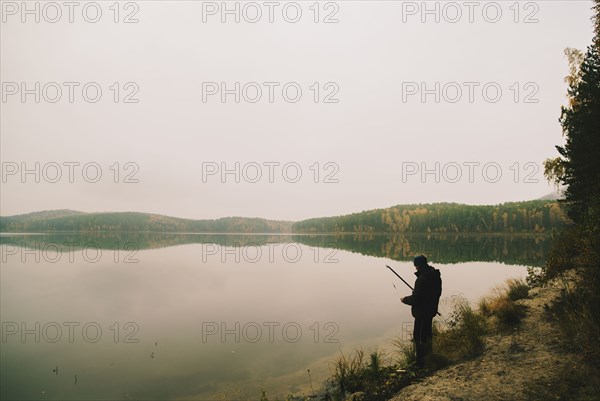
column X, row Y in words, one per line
column 464, row 334
column 506, row 312
column 577, row 248
column 577, row 316
column 517, row 289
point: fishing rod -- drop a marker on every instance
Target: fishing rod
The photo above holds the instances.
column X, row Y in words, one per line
column 404, row 281
column 397, row 275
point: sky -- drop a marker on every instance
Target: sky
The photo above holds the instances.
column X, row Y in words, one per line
column 280, row 110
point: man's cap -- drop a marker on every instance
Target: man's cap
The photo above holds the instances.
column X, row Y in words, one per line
column 420, row 261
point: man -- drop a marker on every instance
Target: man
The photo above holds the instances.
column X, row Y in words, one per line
column 424, row 303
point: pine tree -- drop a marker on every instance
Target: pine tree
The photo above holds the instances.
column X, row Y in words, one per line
column 578, row 166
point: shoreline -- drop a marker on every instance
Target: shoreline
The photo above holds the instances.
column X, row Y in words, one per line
column 533, row 362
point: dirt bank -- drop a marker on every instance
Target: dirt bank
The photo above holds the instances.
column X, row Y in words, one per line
column 531, row 363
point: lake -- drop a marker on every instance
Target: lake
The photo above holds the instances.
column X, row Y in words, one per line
column 147, row 316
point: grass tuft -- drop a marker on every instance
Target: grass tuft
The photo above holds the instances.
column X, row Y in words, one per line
column 506, row 312
column 463, row 336
column 517, row 289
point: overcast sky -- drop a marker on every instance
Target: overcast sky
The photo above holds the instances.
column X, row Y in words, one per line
column 364, row 126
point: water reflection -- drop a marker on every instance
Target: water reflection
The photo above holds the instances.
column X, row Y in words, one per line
column 182, row 317
column 530, row 250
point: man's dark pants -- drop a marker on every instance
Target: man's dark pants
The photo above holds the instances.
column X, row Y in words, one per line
column 422, row 334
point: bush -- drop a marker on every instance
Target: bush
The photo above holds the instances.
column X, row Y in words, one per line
column 464, row 334
column 502, row 307
column 577, row 316
column 578, row 311
column 563, row 252
column 517, row 289
column 506, row 312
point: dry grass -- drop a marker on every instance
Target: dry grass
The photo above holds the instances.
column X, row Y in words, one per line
column 517, row 289
column 462, row 336
column 501, row 307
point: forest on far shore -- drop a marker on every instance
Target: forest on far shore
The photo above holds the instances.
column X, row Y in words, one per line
column 537, row 216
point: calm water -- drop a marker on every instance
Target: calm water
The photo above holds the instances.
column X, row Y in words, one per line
column 206, row 317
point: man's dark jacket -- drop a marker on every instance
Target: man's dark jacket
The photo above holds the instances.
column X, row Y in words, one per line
column 426, row 295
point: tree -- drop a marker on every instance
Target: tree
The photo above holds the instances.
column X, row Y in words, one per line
column 578, row 167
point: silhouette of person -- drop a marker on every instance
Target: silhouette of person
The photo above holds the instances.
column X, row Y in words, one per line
column 424, row 303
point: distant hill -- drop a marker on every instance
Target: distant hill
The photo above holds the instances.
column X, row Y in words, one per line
column 47, row 214
column 555, row 195
column 535, row 216
column 70, row 220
